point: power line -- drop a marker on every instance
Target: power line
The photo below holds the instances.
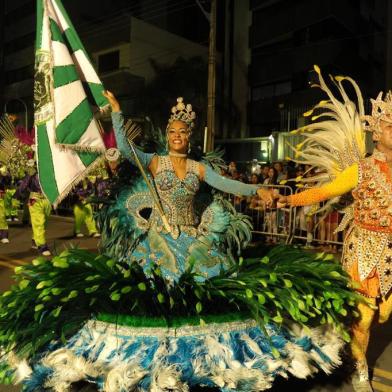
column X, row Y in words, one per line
column 172, row 11
column 118, row 13
column 137, row 61
column 145, row 13
column 163, row 54
column 152, row 9
column 115, row 27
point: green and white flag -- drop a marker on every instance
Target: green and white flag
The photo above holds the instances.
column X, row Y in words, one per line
column 67, row 92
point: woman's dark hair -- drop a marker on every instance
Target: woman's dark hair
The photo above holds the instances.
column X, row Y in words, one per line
column 255, row 175
column 274, row 177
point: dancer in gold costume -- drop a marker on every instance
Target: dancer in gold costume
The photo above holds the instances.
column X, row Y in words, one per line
column 336, row 145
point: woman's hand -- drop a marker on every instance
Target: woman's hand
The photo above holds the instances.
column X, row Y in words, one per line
column 112, row 101
column 282, row 201
column 266, row 196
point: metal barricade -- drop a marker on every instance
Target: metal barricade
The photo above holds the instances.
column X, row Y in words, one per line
column 314, row 228
column 299, row 224
column 272, row 223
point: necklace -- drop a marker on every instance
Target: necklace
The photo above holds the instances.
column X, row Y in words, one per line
column 177, row 154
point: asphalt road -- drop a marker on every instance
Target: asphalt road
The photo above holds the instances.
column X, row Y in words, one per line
column 60, row 236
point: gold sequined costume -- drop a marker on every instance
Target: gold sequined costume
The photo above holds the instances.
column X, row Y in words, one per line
column 367, row 252
column 336, row 146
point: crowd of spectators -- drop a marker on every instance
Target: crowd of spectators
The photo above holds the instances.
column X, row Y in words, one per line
column 316, row 229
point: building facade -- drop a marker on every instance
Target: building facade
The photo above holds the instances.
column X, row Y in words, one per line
column 17, row 57
column 123, row 41
column 351, row 37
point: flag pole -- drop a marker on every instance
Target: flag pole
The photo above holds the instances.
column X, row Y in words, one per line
column 131, row 131
column 152, row 190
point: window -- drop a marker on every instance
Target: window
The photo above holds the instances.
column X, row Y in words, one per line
column 283, row 88
column 109, row 61
column 17, row 75
column 271, row 90
column 19, row 43
column 262, row 92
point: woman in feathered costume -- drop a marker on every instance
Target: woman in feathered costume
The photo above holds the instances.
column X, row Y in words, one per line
column 177, row 179
column 167, row 305
column 337, row 147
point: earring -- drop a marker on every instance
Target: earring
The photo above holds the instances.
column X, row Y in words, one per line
column 189, row 147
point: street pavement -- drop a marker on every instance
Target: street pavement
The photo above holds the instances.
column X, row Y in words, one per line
column 60, row 236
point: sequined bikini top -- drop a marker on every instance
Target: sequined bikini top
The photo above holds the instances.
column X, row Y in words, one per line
column 176, row 195
column 373, row 195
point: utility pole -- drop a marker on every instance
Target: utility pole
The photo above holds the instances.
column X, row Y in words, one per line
column 211, row 80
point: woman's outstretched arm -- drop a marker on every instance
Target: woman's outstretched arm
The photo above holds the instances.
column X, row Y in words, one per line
column 343, row 183
column 123, row 144
column 212, row 178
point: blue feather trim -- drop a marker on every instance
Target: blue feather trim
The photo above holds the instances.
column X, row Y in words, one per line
column 234, row 356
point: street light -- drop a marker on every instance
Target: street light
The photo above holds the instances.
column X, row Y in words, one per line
column 272, row 146
column 24, row 105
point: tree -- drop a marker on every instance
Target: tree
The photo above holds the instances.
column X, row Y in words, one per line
column 185, row 78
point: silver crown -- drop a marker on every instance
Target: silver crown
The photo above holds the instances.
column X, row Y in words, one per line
column 381, row 110
column 183, row 113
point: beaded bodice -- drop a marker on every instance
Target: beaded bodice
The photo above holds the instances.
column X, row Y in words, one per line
column 373, row 195
column 175, row 194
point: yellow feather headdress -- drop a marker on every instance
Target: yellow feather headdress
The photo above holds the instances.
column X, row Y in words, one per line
column 335, row 139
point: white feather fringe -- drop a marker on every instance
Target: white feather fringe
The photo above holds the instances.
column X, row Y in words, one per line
column 167, row 379
column 124, row 377
column 116, row 356
column 67, row 369
column 21, row 366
